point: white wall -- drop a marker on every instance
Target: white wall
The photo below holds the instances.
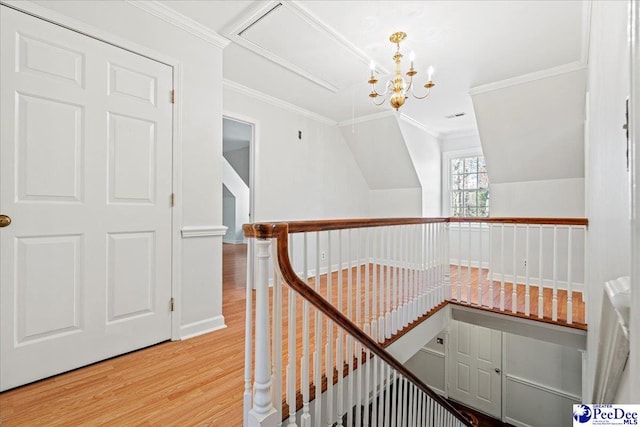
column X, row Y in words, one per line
column 200, row 301
column 536, row 391
column 607, row 179
column 541, row 382
column 545, row 198
column 239, row 159
column 396, row 203
column 424, row 150
column 312, row 178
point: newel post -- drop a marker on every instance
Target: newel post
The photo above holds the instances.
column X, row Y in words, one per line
column 262, row 414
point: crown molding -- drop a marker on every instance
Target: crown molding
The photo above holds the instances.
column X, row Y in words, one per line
column 181, row 21
column 368, row 118
column 421, row 126
column 237, row 87
column 460, row 133
column 527, row 78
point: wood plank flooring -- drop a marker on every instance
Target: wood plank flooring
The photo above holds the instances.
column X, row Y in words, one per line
column 196, row 382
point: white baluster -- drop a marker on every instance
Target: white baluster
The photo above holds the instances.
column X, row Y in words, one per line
column 329, row 357
column 540, row 277
column 340, row 340
column 358, row 278
column 502, row 267
column 367, row 284
column 374, row 287
column 514, row 285
column 359, row 385
column 480, row 266
column 248, row 321
column 447, row 259
column 469, row 292
column 276, row 331
column 305, row 418
column 262, row 413
column 555, row 273
column 569, row 277
column 394, row 305
column 383, row 287
column 394, row 399
column 459, row 276
column 317, row 354
column 388, row 311
column 367, row 387
column 527, row 294
column 491, row 267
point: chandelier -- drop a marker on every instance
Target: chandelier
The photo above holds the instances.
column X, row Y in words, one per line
column 398, row 87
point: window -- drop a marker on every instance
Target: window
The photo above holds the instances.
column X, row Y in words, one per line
column 469, row 187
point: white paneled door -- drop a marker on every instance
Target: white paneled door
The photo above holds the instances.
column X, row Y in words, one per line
column 85, row 159
column 475, row 367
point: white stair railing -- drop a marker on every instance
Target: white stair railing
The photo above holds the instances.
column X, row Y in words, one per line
column 339, row 291
column 342, row 288
column 520, row 265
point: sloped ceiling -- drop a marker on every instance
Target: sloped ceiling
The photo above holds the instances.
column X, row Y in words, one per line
column 468, row 42
column 535, row 130
column 380, row 150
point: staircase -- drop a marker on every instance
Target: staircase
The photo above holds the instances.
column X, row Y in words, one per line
column 318, row 341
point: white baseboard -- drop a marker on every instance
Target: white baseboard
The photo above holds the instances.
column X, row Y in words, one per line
column 202, row 327
column 546, row 283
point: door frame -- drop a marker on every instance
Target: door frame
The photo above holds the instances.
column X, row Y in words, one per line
column 253, row 170
column 88, row 30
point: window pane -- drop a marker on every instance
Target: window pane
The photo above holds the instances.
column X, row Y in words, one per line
column 483, row 198
column 471, row 165
column 471, row 182
column 482, row 165
column 456, row 165
column 483, row 180
column 456, row 182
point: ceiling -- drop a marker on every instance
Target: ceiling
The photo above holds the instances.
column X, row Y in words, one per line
column 315, row 54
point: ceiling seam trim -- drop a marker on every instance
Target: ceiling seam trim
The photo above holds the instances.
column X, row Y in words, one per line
column 181, row 21
column 230, row 84
column 528, row 78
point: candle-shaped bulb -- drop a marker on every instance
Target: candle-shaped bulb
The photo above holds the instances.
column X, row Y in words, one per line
column 412, row 57
column 372, row 66
column 430, row 73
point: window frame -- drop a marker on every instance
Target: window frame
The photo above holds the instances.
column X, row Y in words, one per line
column 447, row 156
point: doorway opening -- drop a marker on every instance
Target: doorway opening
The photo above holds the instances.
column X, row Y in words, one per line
column 237, row 201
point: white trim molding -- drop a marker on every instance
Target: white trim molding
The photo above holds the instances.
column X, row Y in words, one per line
column 203, row 231
column 528, row 78
column 542, row 387
column 237, row 87
column 369, row 117
column 181, row 21
column 202, row 327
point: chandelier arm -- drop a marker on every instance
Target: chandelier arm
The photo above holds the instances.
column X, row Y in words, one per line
column 381, row 102
column 421, row 97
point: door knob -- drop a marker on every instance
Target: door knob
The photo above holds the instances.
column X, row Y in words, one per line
column 5, row 220
column 498, row 370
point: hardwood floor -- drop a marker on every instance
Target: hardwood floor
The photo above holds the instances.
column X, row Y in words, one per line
column 196, row 382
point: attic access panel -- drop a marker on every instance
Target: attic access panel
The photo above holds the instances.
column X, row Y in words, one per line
column 292, row 37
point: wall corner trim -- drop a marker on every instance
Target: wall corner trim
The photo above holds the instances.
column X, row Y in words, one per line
column 203, row 231
column 181, row 21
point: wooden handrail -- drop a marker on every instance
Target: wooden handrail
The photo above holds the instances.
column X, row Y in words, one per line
column 280, row 231
column 267, row 230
